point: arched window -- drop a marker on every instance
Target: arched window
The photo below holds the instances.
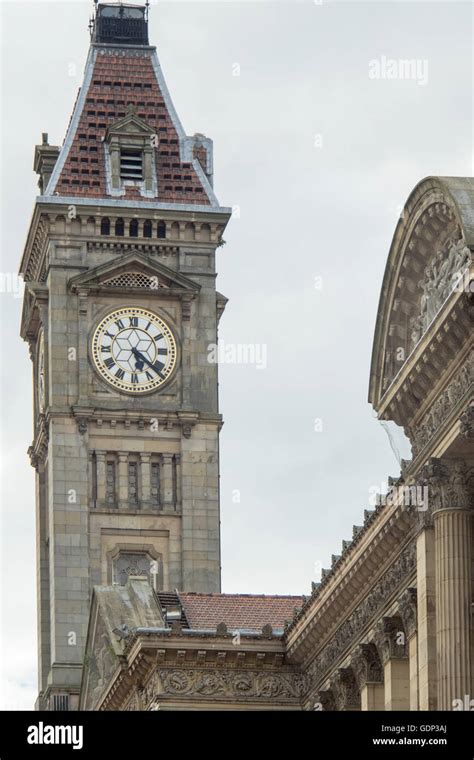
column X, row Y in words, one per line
column 119, row 227
column 189, row 231
column 133, row 229
column 161, row 230
column 105, row 226
column 131, row 563
column 205, row 233
column 147, row 229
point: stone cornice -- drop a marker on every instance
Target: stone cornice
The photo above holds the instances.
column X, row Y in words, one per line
column 449, row 335
column 364, row 564
column 96, row 419
column 339, row 643
column 203, row 666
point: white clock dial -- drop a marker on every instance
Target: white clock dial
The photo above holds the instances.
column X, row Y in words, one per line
column 134, row 350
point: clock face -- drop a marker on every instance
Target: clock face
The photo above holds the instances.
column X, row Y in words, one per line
column 40, row 379
column 134, row 350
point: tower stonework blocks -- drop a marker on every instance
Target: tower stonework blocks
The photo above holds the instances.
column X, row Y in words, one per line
column 120, row 308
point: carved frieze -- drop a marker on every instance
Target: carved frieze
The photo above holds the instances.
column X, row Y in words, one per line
column 443, row 406
column 233, row 684
column 467, row 423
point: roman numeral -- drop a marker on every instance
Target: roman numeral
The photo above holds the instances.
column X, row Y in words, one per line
column 109, row 335
column 109, row 363
column 157, row 337
column 120, row 324
column 148, row 325
column 158, row 366
column 134, row 378
column 105, row 349
column 133, row 321
column 120, row 374
column 149, row 377
column 162, row 351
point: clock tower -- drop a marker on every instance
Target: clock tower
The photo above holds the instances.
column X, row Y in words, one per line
column 120, row 310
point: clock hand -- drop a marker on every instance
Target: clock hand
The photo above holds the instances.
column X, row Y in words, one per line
column 143, row 358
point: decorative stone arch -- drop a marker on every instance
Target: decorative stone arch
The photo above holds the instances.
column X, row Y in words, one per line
column 140, row 550
column 437, row 217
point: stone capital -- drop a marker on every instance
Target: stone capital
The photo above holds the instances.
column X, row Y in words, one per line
column 390, row 639
column 407, row 609
column 445, row 483
column 366, row 664
column 345, row 689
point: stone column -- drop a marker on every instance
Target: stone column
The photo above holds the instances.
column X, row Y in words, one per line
column 145, row 471
column 390, row 641
column 452, row 516
column 407, row 611
column 368, row 672
column 167, row 481
column 345, row 690
column 122, row 480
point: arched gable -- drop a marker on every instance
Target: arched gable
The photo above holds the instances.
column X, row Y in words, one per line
column 431, row 247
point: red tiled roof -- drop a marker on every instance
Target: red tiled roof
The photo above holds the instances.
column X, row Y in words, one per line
column 121, row 78
column 238, row 611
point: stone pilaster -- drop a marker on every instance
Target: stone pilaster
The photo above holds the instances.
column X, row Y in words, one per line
column 167, row 481
column 101, row 477
column 368, row 672
column 407, row 607
column 390, row 639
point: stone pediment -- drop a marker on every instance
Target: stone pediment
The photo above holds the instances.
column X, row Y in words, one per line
column 116, row 612
column 129, row 125
column 135, row 272
column 424, row 302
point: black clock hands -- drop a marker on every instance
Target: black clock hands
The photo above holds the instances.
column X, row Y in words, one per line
column 158, row 366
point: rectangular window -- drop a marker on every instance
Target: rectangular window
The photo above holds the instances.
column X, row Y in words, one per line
column 131, row 164
column 110, row 483
column 133, row 483
column 155, row 484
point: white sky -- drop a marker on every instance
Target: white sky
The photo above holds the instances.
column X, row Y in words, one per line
column 309, row 207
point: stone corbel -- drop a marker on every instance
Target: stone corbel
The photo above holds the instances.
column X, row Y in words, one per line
column 187, row 421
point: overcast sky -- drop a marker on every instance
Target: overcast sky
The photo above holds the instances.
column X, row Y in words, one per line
column 319, row 158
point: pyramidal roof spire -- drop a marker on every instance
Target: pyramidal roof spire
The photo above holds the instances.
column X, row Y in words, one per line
column 125, row 141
